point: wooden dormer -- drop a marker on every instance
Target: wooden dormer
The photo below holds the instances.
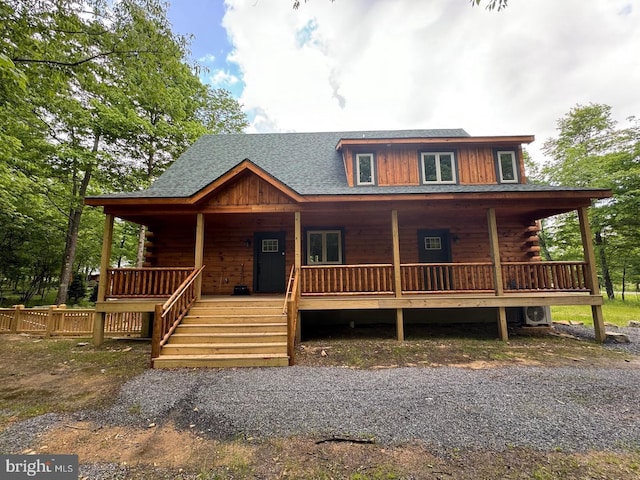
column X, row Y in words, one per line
column 429, row 161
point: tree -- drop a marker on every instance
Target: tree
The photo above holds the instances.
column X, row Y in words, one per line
column 592, row 151
column 96, row 93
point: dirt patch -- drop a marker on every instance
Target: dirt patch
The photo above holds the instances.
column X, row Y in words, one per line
column 165, row 452
column 63, row 375
column 474, row 353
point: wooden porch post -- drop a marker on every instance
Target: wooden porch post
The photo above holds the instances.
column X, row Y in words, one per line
column 397, row 280
column 199, row 254
column 592, row 273
column 297, row 258
column 105, row 262
column 497, row 271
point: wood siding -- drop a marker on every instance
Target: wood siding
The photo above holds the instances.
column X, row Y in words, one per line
column 400, row 165
column 367, row 239
column 247, row 189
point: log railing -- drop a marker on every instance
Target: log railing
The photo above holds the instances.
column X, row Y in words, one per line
column 346, row 279
column 446, row 277
column 417, row 278
column 291, row 298
column 144, row 282
column 62, row 321
column 545, row 276
column 169, row 315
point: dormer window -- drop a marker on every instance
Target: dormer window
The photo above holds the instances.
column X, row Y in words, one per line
column 507, row 167
column 365, row 169
column 438, row 167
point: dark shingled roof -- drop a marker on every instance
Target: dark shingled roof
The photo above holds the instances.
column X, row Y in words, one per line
column 308, row 163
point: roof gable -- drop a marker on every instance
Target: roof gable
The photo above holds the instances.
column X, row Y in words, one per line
column 246, row 184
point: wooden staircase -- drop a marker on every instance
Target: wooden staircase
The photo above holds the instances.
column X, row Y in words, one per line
column 229, row 332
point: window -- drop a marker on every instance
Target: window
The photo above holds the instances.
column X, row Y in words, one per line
column 270, row 245
column 438, row 167
column 324, row 247
column 507, row 167
column 432, row 243
column 365, row 174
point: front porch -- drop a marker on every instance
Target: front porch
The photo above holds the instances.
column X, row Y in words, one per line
column 498, row 284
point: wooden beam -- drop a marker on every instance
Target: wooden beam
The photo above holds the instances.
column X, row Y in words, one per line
column 400, row 324
column 397, row 279
column 497, row 271
column 494, row 246
column 592, row 273
column 105, row 262
column 199, row 253
column 297, row 241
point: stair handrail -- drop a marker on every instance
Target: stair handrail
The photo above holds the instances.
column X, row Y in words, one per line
column 292, row 316
column 288, row 292
column 167, row 318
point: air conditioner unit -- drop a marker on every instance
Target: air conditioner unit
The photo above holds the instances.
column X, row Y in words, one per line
column 537, row 316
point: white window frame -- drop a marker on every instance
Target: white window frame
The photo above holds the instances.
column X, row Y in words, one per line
column 311, row 261
column 373, row 171
column 438, row 171
column 514, row 164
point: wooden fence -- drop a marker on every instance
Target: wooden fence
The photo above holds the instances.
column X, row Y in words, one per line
column 61, row 321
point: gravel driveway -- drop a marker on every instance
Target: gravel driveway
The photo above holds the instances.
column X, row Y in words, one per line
column 543, row 408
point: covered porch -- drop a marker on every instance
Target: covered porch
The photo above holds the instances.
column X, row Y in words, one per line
column 397, row 285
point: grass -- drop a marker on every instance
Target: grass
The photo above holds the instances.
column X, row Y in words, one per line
column 616, row 311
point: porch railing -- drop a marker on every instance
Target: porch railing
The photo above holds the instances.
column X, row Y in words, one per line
column 169, row 315
column 545, row 276
column 446, row 277
column 443, row 278
column 144, row 282
column 346, row 279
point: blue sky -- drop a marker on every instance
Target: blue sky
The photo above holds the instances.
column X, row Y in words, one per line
column 210, row 46
column 393, row 64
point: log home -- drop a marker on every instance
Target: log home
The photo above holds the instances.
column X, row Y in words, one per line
column 415, row 223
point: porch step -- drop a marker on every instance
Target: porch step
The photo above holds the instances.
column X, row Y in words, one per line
column 228, row 318
column 223, row 348
column 240, row 337
column 231, row 327
column 236, row 332
column 221, row 361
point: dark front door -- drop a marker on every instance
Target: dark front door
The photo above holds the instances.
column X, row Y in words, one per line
column 434, row 246
column 269, row 262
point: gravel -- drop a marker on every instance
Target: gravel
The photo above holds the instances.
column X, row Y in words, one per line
column 587, row 333
column 568, row 408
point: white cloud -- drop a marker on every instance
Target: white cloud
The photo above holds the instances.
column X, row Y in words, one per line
column 222, row 78
column 362, row 64
column 208, row 58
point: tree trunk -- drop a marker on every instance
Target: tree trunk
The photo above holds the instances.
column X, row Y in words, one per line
column 141, row 239
column 73, row 227
column 606, row 275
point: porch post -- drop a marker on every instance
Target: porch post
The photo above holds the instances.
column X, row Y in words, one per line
column 497, row 271
column 199, row 254
column 397, row 279
column 592, row 274
column 105, row 261
column 297, row 258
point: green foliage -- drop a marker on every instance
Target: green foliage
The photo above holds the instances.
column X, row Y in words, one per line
column 592, row 151
column 94, row 97
column 77, row 289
